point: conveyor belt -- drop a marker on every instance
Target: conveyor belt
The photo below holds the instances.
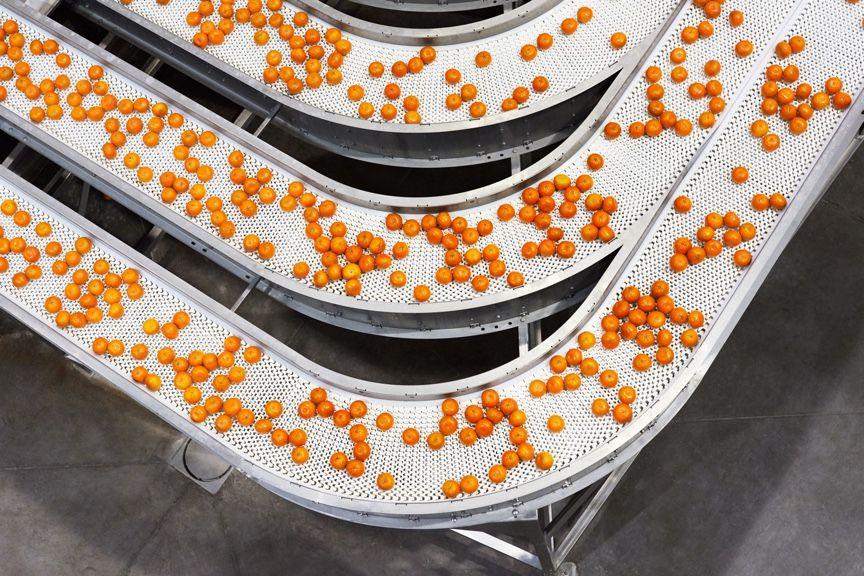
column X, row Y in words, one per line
column 574, row 64
column 430, row 6
column 589, row 446
column 638, row 173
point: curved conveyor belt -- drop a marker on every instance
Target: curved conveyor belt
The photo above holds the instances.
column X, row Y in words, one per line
column 573, row 64
column 429, row 6
column 589, row 445
column 638, row 173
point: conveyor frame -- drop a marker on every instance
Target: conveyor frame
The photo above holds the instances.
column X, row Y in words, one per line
column 487, row 313
column 517, row 502
column 559, row 485
column 458, row 143
column 445, row 319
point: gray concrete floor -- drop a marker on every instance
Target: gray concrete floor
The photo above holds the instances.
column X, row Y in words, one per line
column 759, row 474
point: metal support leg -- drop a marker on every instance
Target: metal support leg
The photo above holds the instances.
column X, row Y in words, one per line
column 246, row 291
column 265, row 122
column 501, row 546
column 83, row 198
column 515, row 163
column 57, row 182
column 553, row 534
column 152, row 66
column 565, row 543
column 106, row 40
column 13, row 155
column 243, row 118
column 146, row 244
column 530, row 335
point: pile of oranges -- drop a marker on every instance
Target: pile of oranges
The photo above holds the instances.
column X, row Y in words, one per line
column 795, row 104
column 90, row 294
column 539, row 205
column 318, row 405
column 460, row 241
column 479, row 422
column 637, row 317
column 734, row 234
column 643, row 318
column 304, row 42
column 661, row 118
column 455, row 233
column 197, row 369
column 339, row 259
column 17, row 245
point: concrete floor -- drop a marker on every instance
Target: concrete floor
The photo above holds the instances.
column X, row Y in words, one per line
column 759, row 474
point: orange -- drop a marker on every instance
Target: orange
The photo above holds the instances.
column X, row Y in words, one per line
column 296, row 437
column 740, row 174
column 273, row 409
column 544, row 461
column 595, row 162
column 357, row 409
column 421, row 293
column 385, row 481
column 279, row 437
column 528, row 52
column 435, row 440
column 618, row 40
column 622, row 413
column 384, row 421
column 600, row 407
column 627, row 394
column 338, row 460
column 468, row 484
column 450, row 488
column 777, row 201
column 410, row 436
column 299, row 455
column 742, row 258
column 198, row 414
column 252, row 354
column 497, row 474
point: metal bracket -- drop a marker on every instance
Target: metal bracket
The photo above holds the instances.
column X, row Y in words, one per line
column 555, row 529
column 199, row 464
column 530, row 335
column 41, row 6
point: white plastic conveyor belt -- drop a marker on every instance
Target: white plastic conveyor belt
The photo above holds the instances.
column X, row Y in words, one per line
column 637, row 174
column 588, row 446
column 574, row 63
column 432, row 6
